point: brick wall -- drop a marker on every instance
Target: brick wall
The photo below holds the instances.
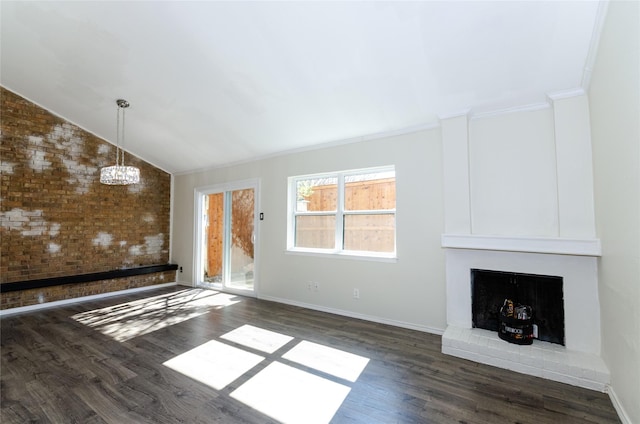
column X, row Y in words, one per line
column 56, row 219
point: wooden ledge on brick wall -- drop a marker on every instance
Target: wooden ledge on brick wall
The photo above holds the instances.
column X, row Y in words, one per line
column 84, row 278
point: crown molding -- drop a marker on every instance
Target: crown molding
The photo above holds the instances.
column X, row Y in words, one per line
column 498, row 112
column 565, row 94
column 601, row 15
column 445, row 116
column 328, row 144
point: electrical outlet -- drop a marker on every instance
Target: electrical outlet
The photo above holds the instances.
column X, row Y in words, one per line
column 316, row 286
column 309, row 285
column 356, row 293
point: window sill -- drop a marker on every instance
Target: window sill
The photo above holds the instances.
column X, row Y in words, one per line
column 358, row 256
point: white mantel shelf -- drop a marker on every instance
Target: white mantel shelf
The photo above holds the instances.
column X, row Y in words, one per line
column 549, row 245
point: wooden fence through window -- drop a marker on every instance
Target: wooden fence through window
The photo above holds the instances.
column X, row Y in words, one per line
column 242, row 217
column 361, row 232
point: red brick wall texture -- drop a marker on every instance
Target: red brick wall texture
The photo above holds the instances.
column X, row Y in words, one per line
column 56, row 219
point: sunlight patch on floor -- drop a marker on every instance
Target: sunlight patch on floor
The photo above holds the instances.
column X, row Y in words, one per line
column 132, row 319
column 332, row 361
column 290, row 395
column 257, row 338
column 284, row 392
column 214, row 364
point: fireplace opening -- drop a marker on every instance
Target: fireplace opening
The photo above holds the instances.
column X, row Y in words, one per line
column 543, row 293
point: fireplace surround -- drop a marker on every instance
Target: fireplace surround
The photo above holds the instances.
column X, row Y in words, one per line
column 578, row 362
column 518, row 198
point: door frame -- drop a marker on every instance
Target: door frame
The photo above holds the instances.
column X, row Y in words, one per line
column 198, row 231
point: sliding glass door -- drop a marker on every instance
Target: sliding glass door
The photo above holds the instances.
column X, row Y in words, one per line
column 226, row 237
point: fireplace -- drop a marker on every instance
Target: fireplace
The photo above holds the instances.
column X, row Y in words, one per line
column 543, row 293
column 568, row 347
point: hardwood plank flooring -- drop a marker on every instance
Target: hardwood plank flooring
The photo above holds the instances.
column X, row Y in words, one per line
column 102, row 362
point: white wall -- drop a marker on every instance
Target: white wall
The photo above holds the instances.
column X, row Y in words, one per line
column 522, row 173
column 615, row 125
column 412, row 292
column 512, row 169
column 409, row 292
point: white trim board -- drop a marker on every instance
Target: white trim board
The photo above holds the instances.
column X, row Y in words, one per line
column 553, row 245
column 349, row 314
column 31, row 308
column 617, row 405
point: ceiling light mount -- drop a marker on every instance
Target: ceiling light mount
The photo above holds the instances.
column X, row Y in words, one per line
column 119, row 174
column 122, row 103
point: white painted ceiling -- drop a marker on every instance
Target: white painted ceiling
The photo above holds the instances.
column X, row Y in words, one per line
column 213, row 83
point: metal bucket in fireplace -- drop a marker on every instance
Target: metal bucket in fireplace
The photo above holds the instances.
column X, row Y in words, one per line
column 516, row 323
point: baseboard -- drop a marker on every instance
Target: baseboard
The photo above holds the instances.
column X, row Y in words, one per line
column 350, row 314
column 31, row 308
column 622, row 413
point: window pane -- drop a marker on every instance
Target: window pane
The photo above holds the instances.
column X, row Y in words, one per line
column 372, row 191
column 317, row 194
column 316, row 231
column 372, row 233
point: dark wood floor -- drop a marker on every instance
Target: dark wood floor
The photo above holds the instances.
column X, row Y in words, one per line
column 87, row 363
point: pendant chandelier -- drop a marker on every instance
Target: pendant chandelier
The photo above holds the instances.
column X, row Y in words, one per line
column 119, row 174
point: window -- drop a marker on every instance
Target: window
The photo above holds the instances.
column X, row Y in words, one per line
column 349, row 212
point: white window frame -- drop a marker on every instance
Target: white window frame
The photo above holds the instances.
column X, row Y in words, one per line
column 339, row 213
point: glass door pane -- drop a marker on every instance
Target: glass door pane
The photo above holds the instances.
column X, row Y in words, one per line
column 213, row 238
column 228, row 237
column 241, row 240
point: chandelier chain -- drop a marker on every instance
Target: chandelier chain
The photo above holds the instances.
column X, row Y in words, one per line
column 119, row 174
column 118, row 136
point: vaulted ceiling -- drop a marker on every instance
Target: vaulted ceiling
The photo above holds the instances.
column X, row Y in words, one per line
column 213, row 83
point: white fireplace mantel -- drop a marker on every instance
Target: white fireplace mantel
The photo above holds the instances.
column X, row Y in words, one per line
column 548, row 196
column 578, row 362
column 551, row 245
